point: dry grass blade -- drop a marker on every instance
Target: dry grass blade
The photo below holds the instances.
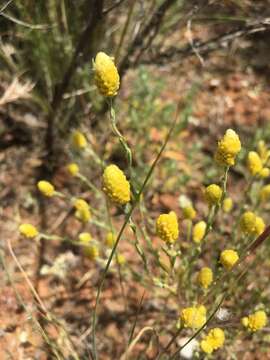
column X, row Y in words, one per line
column 134, row 342
column 15, row 91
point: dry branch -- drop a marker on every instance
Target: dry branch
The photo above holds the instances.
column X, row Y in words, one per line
column 174, row 54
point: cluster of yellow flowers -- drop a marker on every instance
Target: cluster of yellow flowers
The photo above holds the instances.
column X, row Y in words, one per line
column 110, row 239
column 46, row 188
column 83, row 212
column 167, row 227
column 227, row 205
column 106, row 75
column 73, row 169
column 198, row 231
column 228, row 258
column 265, row 193
column 257, row 161
column 255, row 321
column 214, row 340
column 189, row 212
column 213, row 194
column 115, row 185
column 251, row 224
column 193, row 317
column 78, row 140
column 28, row 231
column 228, row 148
column 205, row 277
column 90, row 248
column 118, row 189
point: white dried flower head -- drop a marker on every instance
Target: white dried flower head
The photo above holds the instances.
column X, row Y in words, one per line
column 184, row 201
column 188, row 351
column 223, row 314
column 62, row 265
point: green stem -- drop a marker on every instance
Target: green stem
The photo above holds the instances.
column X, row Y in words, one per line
column 128, row 216
column 121, row 138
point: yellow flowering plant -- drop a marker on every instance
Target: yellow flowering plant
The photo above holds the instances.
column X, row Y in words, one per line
column 187, row 254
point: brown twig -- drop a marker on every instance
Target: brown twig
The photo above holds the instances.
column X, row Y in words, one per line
column 115, row 5
column 150, row 29
column 173, row 54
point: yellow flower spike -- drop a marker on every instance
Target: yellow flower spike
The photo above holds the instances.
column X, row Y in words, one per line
column 228, row 258
column 213, row 194
column 248, row 223
column 228, row 148
column 106, row 75
column 46, row 188
column 213, row 341
column 167, row 227
column 83, row 212
column 115, row 185
column 78, row 140
column 28, row 230
column 198, row 231
column 73, row 169
column 259, row 226
column 205, row 277
column 254, row 163
column 193, row 317
column 227, row 205
column 91, row 251
column 189, row 212
column 265, row 193
column 256, row 321
column 110, row 239
column 85, row 237
column 264, row 173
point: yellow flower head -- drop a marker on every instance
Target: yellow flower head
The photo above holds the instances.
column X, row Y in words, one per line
column 78, row 140
column 248, row 222
column 73, row 169
column 106, row 75
column 254, row 163
column 213, row 341
column 205, row 277
column 189, row 212
column 198, row 231
column 85, row 237
column 265, row 193
column 120, row 259
column 227, row 205
column 91, row 251
column 228, row 147
column 264, row 173
column 115, row 185
column 82, row 210
column 213, row 194
column 28, row 230
column 167, row 227
column 46, row 188
column 193, row 317
column 255, row 321
column 228, row 258
column 110, row 239
column 259, row 226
